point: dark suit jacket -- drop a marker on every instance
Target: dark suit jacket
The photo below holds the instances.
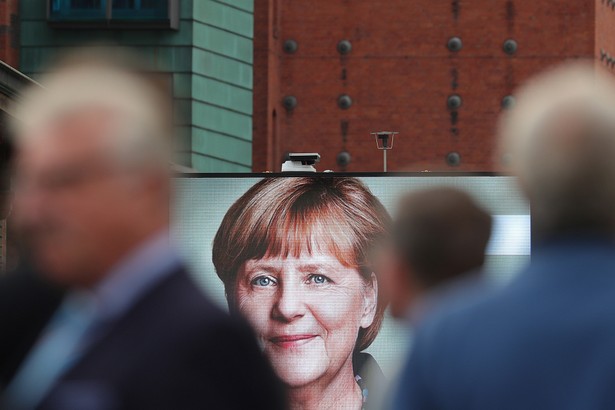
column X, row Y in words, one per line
column 547, row 341
column 172, row 350
column 27, row 302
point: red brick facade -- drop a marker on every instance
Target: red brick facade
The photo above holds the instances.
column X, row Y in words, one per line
column 400, row 73
column 9, row 32
column 9, row 53
column 605, row 33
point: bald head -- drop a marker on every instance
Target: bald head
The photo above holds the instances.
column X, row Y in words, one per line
column 560, row 137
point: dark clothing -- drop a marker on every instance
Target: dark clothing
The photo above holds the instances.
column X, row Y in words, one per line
column 546, row 341
column 369, row 376
column 27, row 302
column 173, row 349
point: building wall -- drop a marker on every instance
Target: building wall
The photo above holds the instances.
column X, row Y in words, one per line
column 221, row 86
column 208, row 61
column 605, row 34
column 9, row 32
column 399, row 75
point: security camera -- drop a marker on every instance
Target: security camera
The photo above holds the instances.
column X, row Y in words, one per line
column 301, row 162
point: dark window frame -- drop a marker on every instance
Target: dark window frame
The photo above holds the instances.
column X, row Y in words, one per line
column 98, row 20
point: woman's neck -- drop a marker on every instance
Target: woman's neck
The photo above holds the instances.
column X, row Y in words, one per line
column 340, row 392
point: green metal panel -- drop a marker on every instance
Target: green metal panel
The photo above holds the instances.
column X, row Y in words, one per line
column 222, row 120
column 222, row 42
column 223, row 16
column 222, row 146
column 211, row 164
column 168, row 59
column 182, row 85
column 38, row 33
column 221, row 94
column 210, row 57
column 222, row 68
column 183, row 138
column 163, row 59
column 32, row 10
column 247, row 5
column 186, row 9
column 183, row 111
column 222, row 85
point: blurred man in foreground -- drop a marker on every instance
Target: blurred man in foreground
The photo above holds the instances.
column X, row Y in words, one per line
column 546, row 340
column 92, row 197
column 27, row 300
column 435, row 259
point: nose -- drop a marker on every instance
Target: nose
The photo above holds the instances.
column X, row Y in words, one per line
column 289, row 305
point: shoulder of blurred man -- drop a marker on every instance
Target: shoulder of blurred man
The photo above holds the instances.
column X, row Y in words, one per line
column 172, row 349
column 496, row 350
column 27, row 302
column 450, row 296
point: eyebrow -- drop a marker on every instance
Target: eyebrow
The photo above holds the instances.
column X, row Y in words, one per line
column 263, row 266
column 315, row 267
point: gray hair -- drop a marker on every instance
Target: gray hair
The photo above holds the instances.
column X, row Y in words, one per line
column 560, row 138
column 88, row 80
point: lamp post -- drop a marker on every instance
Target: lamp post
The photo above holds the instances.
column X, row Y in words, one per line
column 384, row 142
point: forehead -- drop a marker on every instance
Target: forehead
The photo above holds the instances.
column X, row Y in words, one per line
column 304, row 258
column 81, row 134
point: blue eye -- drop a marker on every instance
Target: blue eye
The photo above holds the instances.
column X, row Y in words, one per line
column 263, row 281
column 319, row 279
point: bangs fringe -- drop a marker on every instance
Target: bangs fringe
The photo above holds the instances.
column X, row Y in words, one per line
column 312, row 230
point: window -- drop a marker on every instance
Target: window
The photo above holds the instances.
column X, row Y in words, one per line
column 78, row 9
column 114, row 13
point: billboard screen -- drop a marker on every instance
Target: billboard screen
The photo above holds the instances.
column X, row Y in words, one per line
column 287, row 252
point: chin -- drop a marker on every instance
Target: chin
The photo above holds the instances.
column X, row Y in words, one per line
column 298, row 375
column 298, row 370
column 57, row 270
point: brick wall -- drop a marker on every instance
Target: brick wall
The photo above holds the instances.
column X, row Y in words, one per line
column 605, row 34
column 400, row 74
column 9, row 32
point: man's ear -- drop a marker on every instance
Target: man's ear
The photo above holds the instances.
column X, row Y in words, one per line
column 370, row 302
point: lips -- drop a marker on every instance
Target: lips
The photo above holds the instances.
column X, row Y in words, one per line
column 290, row 341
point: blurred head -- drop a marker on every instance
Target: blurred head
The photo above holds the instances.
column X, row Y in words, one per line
column 293, row 256
column 439, row 236
column 560, row 138
column 91, row 172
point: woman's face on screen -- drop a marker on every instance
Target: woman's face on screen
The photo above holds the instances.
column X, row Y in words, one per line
column 307, row 312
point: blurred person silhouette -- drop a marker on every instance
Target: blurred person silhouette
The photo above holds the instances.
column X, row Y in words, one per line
column 546, row 340
column 437, row 251
column 434, row 259
column 92, row 190
column 27, row 300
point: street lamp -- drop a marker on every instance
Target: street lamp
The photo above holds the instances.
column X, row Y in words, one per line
column 384, row 142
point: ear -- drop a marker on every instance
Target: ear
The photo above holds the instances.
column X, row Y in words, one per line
column 370, row 301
